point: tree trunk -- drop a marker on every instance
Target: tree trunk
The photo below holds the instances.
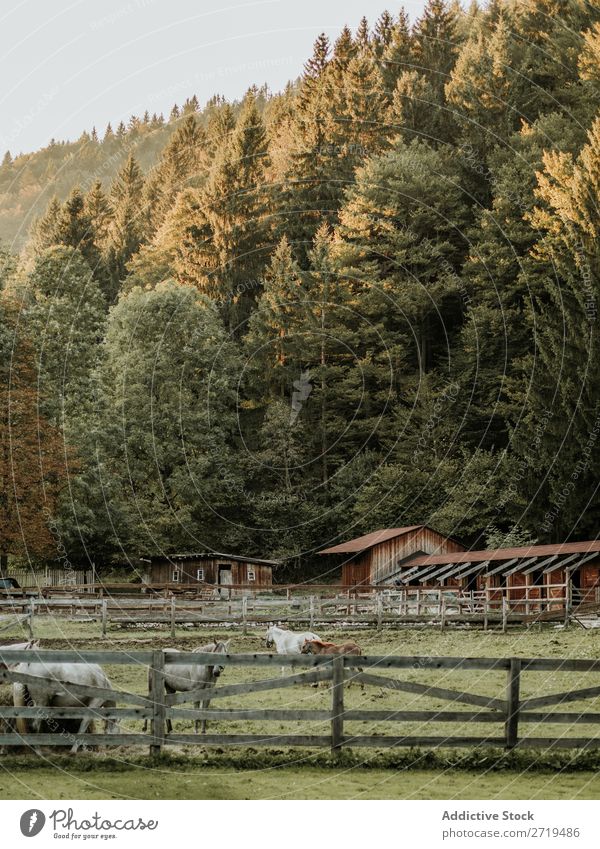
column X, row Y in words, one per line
column 3, row 565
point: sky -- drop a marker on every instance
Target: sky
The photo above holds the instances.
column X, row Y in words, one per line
column 69, row 65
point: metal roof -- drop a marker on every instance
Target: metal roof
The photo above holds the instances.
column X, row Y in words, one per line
column 369, row 540
column 528, row 551
column 213, row 555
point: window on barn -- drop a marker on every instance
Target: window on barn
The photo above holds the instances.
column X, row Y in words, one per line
column 175, row 576
column 199, row 574
column 251, row 575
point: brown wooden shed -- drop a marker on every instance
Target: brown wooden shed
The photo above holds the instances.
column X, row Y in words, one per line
column 529, row 572
column 382, row 556
column 211, row 568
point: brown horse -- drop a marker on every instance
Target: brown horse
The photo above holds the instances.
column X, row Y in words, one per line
column 320, row 647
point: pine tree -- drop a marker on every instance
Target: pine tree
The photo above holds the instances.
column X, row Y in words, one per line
column 383, row 34
column 435, row 44
column 414, row 112
column 363, row 36
column 562, row 376
column 44, row 232
column 97, row 210
column 127, row 220
column 180, row 162
column 484, row 91
column 236, row 207
column 396, row 58
column 344, row 50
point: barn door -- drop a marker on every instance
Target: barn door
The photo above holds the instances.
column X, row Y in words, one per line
column 225, row 579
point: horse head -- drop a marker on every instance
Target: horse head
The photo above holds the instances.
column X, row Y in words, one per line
column 220, row 648
column 32, row 645
column 307, row 647
column 269, row 640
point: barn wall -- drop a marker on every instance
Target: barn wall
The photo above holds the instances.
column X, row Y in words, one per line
column 379, row 562
column 161, row 572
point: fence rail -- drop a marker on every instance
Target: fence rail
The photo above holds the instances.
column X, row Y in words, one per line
column 506, row 708
column 437, row 605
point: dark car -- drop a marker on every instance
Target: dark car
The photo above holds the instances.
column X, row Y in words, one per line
column 10, row 587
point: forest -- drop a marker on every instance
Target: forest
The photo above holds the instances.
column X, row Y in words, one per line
column 368, row 300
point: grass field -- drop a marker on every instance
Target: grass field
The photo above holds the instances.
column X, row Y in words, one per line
column 277, row 773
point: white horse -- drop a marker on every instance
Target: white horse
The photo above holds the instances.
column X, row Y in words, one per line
column 9, row 725
column 287, row 642
column 52, row 690
column 31, row 644
column 185, row 678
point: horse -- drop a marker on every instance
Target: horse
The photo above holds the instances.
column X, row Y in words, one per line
column 186, row 678
column 318, row 647
column 287, row 642
column 30, row 645
column 51, row 689
column 8, row 725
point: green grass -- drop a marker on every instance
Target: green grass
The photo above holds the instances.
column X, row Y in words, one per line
column 274, row 773
column 305, row 782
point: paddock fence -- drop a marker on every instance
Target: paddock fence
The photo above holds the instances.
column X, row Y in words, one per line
column 506, row 709
column 388, row 608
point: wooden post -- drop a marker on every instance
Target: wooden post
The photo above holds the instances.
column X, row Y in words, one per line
column 337, row 705
column 244, row 615
column 486, row 606
column 418, row 602
column 504, row 613
column 157, row 695
column 173, row 611
column 442, row 613
column 568, row 597
column 30, row 617
column 104, row 616
column 513, row 687
column 379, row 609
column 311, row 612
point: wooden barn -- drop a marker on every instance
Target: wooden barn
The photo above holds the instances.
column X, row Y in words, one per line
column 212, row 569
column 525, row 573
column 381, row 556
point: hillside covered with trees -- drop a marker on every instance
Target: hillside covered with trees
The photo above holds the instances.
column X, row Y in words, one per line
column 369, row 300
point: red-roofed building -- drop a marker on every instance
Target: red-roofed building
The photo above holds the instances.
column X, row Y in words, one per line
column 419, row 556
column 374, row 558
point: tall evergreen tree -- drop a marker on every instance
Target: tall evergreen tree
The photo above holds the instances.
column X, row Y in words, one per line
column 128, row 220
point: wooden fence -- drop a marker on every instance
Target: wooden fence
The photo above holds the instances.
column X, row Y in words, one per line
column 385, row 608
column 506, row 709
column 80, row 579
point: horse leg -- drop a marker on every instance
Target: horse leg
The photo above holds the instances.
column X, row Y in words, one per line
column 20, row 700
column 94, row 704
column 169, row 725
column 205, row 706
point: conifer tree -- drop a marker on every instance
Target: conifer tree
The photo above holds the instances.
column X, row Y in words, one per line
column 434, row 43
column 396, row 58
column 127, row 221
column 179, row 163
